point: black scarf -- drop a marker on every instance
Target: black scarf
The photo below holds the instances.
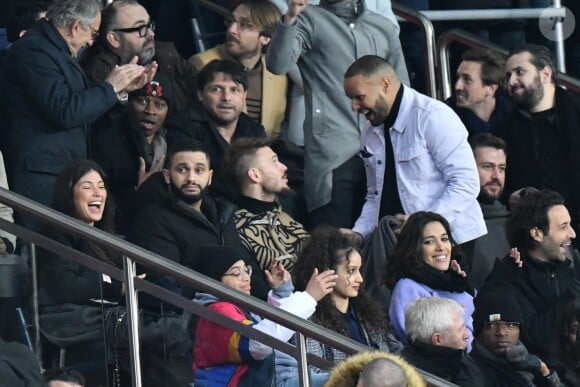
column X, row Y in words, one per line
column 440, row 280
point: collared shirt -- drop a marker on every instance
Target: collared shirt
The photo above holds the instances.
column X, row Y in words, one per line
column 434, row 163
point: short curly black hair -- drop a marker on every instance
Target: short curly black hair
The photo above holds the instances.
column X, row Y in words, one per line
column 531, row 212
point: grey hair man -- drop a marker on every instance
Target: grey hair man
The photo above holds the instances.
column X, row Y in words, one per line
column 438, row 340
column 382, row 372
column 47, row 117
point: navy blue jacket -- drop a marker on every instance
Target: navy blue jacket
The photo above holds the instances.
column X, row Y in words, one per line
column 47, row 109
column 474, row 124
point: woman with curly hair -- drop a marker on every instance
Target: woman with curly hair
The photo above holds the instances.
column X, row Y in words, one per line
column 422, row 266
column 348, row 310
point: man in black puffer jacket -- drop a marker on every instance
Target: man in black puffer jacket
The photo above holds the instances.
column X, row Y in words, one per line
column 540, row 227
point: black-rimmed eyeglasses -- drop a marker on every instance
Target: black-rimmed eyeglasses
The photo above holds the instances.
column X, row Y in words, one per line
column 239, row 272
column 143, row 29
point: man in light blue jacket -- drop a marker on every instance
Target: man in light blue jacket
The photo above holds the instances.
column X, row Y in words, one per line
column 324, row 40
column 415, row 152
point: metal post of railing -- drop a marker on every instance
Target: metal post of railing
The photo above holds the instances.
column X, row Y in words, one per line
column 559, row 30
column 426, row 27
column 303, row 372
column 35, row 311
column 556, row 12
column 182, row 274
column 470, row 40
column 199, row 44
column 132, row 318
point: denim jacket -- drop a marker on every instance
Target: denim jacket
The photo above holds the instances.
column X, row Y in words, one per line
column 434, row 164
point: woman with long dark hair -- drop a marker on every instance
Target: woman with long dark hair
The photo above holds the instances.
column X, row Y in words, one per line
column 74, row 298
column 348, row 310
column 422, row 265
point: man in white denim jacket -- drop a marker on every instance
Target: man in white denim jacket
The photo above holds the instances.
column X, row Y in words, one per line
column 434, row 165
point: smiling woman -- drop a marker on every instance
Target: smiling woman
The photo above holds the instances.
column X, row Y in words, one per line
column 72, row 295
column 348, row 310
column 423, row 265
column 80, row 192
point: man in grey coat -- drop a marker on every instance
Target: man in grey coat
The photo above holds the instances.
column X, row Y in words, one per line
column 324, row 40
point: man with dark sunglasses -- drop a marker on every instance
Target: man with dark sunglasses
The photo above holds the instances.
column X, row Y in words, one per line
column 126, row 32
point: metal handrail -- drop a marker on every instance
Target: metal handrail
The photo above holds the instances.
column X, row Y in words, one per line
column 468, row 39
column 212, row 7
column 197, row 34
column 493, row 14
column 412, row 16
column 556, row 11
column 184, row 276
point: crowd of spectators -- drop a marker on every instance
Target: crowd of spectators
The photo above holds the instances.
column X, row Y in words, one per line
column 296, row 154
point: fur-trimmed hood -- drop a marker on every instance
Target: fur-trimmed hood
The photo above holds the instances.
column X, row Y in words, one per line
column 345, row 374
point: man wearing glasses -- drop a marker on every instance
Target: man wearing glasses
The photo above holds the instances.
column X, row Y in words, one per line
column 248, row 33
column 126, row 32
column 50, row 107
column 497, row 350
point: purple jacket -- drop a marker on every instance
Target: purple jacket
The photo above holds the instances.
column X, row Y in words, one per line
column 406, row 290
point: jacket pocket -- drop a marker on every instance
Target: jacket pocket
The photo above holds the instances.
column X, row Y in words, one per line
column 319, row 101
column 414, row 162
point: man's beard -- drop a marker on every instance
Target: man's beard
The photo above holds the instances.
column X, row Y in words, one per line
column 531, row 96
column 221, row 122
column 286, row 191
column 146, row 56
column 241, row 52
column 485, row 197
column 271, row 188
column 187, row 198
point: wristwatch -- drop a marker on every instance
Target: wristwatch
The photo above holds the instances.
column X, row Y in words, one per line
column 122, row 96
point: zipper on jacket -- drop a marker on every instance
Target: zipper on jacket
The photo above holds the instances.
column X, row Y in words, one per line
column 554, row 283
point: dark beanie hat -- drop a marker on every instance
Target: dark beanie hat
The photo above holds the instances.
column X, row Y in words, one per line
column 158, row 87
column 495, row 306
column 215, row 260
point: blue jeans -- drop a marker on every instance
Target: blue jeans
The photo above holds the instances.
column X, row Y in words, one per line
column 316, row 380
